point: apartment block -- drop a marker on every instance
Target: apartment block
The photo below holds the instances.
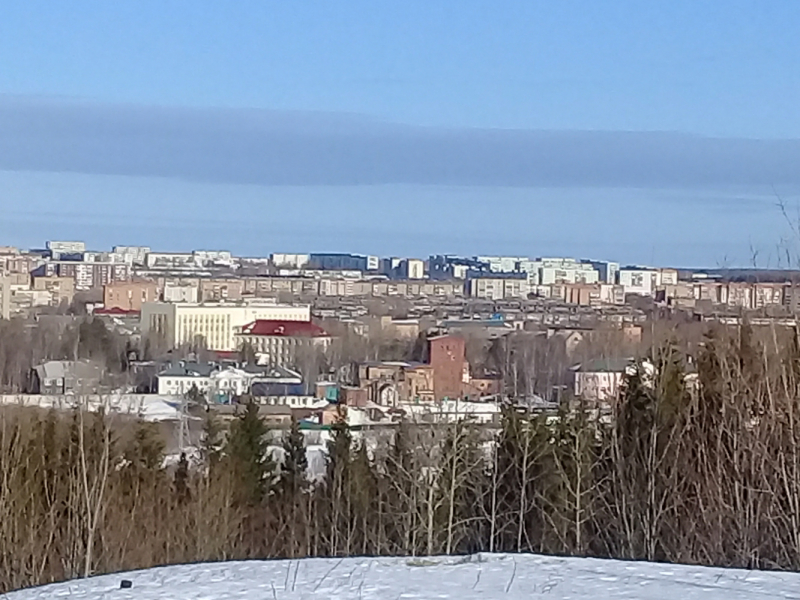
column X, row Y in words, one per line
column 607, row 271
column 502, row 264
column 498, row 286
column 58, row 249
column 87, row 276
column 61, row 289
column 549, row 271
column 265, row 287
column 129, row 295
column 133, row 255
column 170, row 260
column 12, row 261
column 290, row 261
column 5, row 298
column 219, row 290
column 182, row 291
column 642, row 281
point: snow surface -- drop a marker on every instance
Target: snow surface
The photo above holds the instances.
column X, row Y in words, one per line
column 512, row 577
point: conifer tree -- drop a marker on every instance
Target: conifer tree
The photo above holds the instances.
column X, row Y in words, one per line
column 293, row 477
column 247, row 452
column 335, row 499
column 211, row 444
column 181, row 481
column 146, row 452
column 363, row 499
column 293, row 486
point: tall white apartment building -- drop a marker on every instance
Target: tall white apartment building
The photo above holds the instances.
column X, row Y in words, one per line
column 549, row 271
column 133, row 255
column 416, row 268
column 608, row 270
column 217, row 323
column 290, row 261
column 502, row 264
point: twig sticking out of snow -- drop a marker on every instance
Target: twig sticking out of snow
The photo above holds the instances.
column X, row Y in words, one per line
column 477, row 579
column 296, row 569
column 513, row 575
column 324, row 577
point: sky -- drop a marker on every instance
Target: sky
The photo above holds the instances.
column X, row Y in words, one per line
column 659, row 132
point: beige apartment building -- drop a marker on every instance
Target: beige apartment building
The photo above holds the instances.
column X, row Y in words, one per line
column 62, row 289
column 216, row 323
column 220, row 290
column 5, row 298
column 129, row 295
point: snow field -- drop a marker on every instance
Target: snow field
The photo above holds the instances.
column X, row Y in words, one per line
column 487, row 576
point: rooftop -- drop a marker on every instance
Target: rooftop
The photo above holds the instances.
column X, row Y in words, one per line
column 188, row 369
column 116, row 311
column 284, row 329
column 612, row 365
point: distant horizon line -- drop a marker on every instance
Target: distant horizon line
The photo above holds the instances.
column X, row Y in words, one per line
column 382, row 256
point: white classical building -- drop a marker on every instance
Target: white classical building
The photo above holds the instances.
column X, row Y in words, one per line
column 216, row 323
column 214, row 383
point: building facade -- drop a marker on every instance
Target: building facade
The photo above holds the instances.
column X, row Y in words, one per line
column 499, row 286
column 600, row 380
column 450, row 367
column 217, row 324
column 5, row 297
column 61, row 289
column 129, row 295
column 180, row 292
column 220, row 290
column 638, row 280
column 280, row 342
column 87, row 275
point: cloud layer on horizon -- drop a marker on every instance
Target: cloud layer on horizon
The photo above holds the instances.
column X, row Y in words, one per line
column 248, row 146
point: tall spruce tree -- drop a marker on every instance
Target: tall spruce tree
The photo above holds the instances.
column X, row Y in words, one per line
column 293, row 497
column 334, row 504
column 247, row 452
column 293, row 472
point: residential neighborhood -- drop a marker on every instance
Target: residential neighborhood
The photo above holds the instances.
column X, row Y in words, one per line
column 376, row 335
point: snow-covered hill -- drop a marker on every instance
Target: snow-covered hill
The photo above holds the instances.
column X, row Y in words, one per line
column 512, row 577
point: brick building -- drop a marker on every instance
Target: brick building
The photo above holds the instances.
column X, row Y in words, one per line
column 129, row 295
column 450, row 366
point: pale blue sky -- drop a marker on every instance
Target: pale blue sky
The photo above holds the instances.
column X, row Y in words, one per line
column 190, row 98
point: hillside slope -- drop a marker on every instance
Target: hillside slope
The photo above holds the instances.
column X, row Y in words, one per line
column 513, row 577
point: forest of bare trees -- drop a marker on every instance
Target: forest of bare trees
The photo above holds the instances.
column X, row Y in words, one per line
column 708, row 476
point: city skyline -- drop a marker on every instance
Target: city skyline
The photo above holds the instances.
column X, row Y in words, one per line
column 654, row 134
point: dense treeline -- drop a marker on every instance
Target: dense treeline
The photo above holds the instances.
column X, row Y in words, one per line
column 706, row 473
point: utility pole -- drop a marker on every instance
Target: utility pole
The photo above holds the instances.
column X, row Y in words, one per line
column 183, row 425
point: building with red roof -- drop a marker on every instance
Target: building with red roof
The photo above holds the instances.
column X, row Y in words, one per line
column 283, row 342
